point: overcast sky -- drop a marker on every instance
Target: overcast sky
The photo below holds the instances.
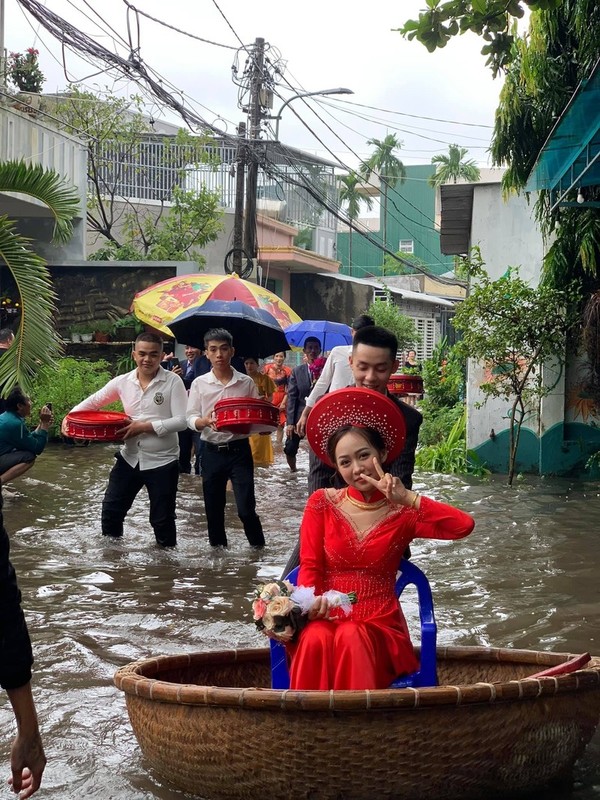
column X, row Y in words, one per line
column 323, row 44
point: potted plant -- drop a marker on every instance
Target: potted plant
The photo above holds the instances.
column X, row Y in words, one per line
column 82, row 332
column 102, row 330
column 23, row 70
column 126, row 328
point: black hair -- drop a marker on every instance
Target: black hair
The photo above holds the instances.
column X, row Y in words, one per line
column 312, row 339
column 218, row 335
column 151, row 338
column 374, row 336
column 16, row 397
column 372, row 436
column 251, row 358
column 362, row 321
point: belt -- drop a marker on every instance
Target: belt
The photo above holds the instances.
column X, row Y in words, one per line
column 235, row 444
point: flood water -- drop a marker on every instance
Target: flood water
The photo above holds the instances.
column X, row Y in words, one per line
column 526, row 578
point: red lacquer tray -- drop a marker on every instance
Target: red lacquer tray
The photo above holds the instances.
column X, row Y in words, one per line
column 405, row 384
column 245, row 415
column 101, row 426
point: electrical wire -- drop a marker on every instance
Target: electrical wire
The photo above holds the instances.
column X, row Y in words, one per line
column 409, row 129
column 131, row 66
column 417, row 116
column 322, row 200
column 178, row 30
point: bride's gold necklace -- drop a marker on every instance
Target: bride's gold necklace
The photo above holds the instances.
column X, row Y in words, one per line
column 365, row 506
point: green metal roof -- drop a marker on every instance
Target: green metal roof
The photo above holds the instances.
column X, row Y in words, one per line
column 570, row 158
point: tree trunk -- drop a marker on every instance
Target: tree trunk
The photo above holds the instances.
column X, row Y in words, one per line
column 384, row 221
column 350, row 267
column 514, row 436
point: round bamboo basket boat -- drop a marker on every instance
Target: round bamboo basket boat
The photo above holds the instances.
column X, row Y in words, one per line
column 208, row 723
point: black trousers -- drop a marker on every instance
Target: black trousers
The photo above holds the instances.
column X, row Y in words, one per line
column 124, row 484
column 188, row 439
column 231, row 462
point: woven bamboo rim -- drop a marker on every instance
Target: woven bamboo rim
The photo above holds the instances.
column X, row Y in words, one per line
column 135, row 679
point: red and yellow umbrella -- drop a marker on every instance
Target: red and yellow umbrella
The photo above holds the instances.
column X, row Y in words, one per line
column 161, row 303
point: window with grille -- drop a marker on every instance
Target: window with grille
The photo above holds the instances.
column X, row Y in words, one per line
column 426, row 329
column 380, row 294
column 406, row 246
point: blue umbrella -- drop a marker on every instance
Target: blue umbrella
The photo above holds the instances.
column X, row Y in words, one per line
column 255, row 332
column 330, row 334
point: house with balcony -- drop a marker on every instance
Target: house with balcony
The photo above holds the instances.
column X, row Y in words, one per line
column 26, row 135
column 295, row 234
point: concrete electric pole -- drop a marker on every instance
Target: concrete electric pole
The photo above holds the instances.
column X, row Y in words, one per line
column 255, row 118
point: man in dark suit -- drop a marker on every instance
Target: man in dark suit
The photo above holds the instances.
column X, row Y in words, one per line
column 299, row 387
column 195, row 364
column 373, row 361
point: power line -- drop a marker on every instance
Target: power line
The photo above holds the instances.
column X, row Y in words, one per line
column 417, row 116
column 178, row 30
column 324, row 201
column 131, row 66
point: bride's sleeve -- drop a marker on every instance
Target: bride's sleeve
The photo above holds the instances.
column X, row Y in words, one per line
column 312, row 542
column 441, row 521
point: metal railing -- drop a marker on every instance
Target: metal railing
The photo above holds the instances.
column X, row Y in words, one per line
column 150, row 170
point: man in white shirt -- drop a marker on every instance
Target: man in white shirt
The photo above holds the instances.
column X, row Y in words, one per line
column 336, row 374
column 155, row 400
column 225, row 455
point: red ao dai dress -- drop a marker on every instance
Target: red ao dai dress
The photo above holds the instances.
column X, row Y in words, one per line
column 350, row 545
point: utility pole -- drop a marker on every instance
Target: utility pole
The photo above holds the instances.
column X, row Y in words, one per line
column 255, row 119
column 238, row 214
column 2, row 56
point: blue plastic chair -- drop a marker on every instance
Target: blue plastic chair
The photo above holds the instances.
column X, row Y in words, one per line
column 426, row 675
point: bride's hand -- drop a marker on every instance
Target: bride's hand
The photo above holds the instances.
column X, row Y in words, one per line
column 393, row 488
column 319, row 609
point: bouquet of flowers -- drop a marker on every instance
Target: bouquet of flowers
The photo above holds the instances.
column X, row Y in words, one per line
column 316, row 368
column 280, row 608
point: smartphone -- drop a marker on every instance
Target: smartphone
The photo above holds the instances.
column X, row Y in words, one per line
column 173, row 362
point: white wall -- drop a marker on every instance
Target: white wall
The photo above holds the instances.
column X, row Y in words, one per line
column 508, row 235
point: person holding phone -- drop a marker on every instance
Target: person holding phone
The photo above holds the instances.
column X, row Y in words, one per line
column 19, row 447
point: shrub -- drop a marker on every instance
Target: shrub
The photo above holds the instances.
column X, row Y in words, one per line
column 66, row 384
column 451, row 455
column 437, row 422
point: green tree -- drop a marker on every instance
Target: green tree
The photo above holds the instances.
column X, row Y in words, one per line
column 543, row 69
column 384, row 163
column 560, row 50
column 451, row 168
column 127, row 164
column 401, row 264
column 514, row 330
column 493, row 20
column 36, row 341
column 189, row 223
column 387, row 314
column 351, row 195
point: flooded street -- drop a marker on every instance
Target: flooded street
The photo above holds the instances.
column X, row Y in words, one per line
column 527, row 578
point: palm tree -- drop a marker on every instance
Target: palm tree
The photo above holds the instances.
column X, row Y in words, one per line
column 350, row 194
column 36, row 341
column 452, row 167
column 387, row 166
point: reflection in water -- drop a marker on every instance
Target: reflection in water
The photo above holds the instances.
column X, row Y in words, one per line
column 525, row 578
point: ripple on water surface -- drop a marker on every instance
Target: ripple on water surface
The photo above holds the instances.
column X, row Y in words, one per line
column 527, row 577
